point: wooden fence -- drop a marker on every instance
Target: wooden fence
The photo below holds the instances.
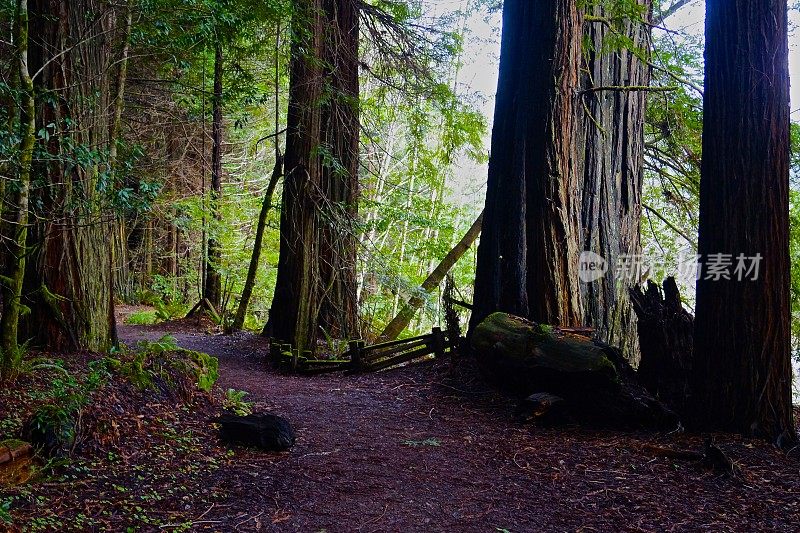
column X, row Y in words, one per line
column 362, row 358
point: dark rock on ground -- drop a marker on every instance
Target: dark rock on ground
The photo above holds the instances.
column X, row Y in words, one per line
column 266, row 431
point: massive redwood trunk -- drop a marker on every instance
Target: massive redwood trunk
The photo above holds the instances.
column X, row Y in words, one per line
column 316, row 268
column 338, row 313
column 741, row 349
column 68, row 274
column 528, row 255
column 611, row 137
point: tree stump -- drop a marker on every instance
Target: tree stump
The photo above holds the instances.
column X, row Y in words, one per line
column 666, row 340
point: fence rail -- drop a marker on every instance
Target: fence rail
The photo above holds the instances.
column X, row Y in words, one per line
column 362, row 358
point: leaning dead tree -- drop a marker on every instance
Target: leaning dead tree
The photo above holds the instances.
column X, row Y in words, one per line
column 406, row 314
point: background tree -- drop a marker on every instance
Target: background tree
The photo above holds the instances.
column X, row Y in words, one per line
column 742, row 373
column 340, row 135
column 611, row 148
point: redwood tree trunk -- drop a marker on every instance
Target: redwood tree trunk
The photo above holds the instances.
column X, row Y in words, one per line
column 68, row 275
column 338, row 313
column 612, row 142
column 294, row 304
column 316, row 285
column 741, row 353
column 528, row 255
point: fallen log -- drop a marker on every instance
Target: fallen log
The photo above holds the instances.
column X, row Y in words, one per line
column 598, row 386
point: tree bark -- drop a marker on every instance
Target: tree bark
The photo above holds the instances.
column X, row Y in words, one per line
column 528, row 255
column 68, row 276
column 212, row 284
column 666, row 338
column 316, row 285
column 338, row 312
column 401, row 321
column 742, row 370
column 295, row 302
column 611, row 140
column 15, row 225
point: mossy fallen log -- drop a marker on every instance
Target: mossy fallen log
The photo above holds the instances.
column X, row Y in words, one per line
column 599, row 387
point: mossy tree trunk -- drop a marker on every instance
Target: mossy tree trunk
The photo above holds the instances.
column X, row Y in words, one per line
column 68, row 274
column 15, row 224
column 600, row 388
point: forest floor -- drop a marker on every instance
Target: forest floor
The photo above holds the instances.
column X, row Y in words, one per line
column 421, row 448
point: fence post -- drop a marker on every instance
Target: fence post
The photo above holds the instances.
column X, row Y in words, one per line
column 438, row 342
column 355, row 355
column 295, row 358
column 273, row 351
column 286, row 355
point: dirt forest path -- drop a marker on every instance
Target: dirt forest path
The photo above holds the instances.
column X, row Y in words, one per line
column 412, row 450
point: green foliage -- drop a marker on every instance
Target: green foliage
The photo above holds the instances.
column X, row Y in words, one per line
column 69, row 394
column 142, row 318
column 673, row 136
column 5, row 510
column 162, row 364
column 166, row 343
column 234, row 401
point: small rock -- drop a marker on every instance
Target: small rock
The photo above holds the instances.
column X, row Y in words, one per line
column 542, row 407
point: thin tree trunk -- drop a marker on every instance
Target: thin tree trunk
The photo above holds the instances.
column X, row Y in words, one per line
column 212, row 285
column 250, row 281
column 528, row 256
column 15, row 230
column 741, row 368
column 118, row 245
column 401, row 321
